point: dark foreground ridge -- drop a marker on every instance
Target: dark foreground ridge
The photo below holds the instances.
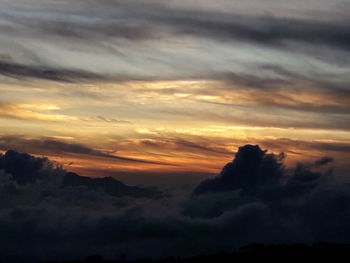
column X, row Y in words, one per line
column 250, row 253
column 109, row 185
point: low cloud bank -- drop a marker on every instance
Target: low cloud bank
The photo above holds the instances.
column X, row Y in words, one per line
column 254, row 199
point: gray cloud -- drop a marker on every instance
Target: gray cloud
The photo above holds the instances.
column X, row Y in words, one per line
column 116, row 24
column 47, row 146
column 342, row 147
column 193, row 144
column 47, row 73
column 141, row 20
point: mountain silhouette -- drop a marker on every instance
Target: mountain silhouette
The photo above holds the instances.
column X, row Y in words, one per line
column 109, row 185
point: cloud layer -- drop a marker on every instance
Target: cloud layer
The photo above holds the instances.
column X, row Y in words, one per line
column 263, row 202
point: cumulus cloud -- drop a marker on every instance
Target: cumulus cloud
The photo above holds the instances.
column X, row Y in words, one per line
column 23, row 167
column 257, row 176
column 262, row 202
column 251, row 168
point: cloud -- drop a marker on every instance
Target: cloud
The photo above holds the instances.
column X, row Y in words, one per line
column 276, row 88
column 251, row 168
column 323, row 161
column 120, row 50
column 196, row 145
column 109, row 120
column 147, row 20
column 342, row 147
column 272, row 205
column 25, row 168
column 50, row 146
column 62, row 74
column 265, row 30
column 256, row 176
column 123, row 39
column 41, row 72
column 32, row 112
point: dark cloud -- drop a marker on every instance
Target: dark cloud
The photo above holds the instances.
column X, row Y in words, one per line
column 47, row 146
column 23, row 167
column 62, row 74
column 251, row 168
column 43, row 72
column 118, row 28
column 194, row 144
column 151, row 20
column 323, row 161
column 265, row 30
column 342, row 147
column 201, row 147
column 299, row 205
column 255, row 176
column 27, row 169
column 271, row 205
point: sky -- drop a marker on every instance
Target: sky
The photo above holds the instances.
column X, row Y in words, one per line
column 168, row 85
column 171, row 97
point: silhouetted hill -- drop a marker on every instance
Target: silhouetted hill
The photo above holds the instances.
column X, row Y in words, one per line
column 109, row 185
column 251, row 253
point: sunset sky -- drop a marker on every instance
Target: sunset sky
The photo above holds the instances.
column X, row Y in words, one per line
column 138, row 88
column 172, row 128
